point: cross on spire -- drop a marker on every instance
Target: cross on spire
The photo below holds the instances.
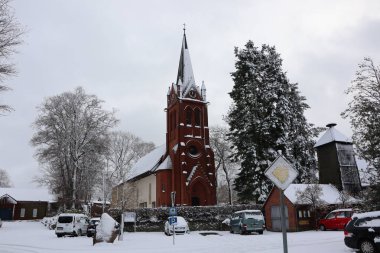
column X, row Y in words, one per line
column 184, row 28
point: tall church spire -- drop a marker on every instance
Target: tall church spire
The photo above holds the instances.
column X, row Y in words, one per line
column 185, row 77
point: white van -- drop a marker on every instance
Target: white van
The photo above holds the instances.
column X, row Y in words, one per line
column 71, row 224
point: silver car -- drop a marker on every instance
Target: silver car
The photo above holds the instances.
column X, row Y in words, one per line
column 180, row 228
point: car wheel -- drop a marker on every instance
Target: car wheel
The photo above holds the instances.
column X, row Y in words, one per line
column 231, row 231
column 59, row 235
column 322, row 228
column 261, row 232
column 242, row 232
column 367, row 247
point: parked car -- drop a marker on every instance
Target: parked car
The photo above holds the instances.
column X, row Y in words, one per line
column 91, row 229
column 336, row 219
column 363, row 232
column 71, row 224
column 180, row 228
column 247, row 221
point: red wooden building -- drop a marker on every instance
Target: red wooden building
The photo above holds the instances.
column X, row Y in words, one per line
column 24, row 204
column 185, row 164
column 299, row 215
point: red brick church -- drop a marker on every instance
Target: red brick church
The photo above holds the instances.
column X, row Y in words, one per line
column 186, row 163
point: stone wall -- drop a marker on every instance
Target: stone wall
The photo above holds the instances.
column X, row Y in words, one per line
column 198, row 217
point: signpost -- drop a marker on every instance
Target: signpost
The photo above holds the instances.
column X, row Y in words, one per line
column 173, row 215
column 282, row 174
column 130, row 217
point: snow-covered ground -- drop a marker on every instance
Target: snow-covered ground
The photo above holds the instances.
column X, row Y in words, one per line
column 33, row 237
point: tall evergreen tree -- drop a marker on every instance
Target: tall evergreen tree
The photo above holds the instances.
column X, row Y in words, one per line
column 267, row 114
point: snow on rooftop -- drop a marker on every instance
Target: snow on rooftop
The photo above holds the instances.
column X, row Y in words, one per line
column 166, row 164
column 185, row 69
column 20, row 194
column 330, row 194
column 332, row 135
column 147, row 162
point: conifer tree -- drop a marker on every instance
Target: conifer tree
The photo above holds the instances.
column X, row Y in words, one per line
column 267, row 115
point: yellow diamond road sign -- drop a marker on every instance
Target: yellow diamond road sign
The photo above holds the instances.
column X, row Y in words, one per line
column 281, row 173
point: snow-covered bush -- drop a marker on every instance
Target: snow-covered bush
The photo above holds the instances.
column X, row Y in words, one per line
column 198, row 217
column 49, row 222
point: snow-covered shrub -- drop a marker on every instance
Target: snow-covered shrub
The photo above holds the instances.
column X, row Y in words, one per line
column 50, row 222
column 198, row 217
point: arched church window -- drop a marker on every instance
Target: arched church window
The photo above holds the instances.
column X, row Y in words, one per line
column 197, row 115
column 188, row 116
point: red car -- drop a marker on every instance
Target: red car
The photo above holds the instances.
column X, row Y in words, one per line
column 336, row 219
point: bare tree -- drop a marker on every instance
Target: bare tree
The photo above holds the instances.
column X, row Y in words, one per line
column 226, row 169
column 124, row 150
column 10, row 37
column 5, row 182
column 345, row 198
column 311, row 196
column 71, row 139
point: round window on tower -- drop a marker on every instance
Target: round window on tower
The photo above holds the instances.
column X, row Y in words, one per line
column 193, row 151
column 192, row 93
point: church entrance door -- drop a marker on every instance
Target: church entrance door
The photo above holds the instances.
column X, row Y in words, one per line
column 199, row 196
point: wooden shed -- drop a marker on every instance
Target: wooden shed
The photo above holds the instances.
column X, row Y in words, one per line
column 24, row 204
column 299, row 216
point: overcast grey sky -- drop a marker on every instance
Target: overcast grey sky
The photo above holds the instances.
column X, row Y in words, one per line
column 127, row 53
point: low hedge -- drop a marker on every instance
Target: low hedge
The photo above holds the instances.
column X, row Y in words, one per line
column 198, row 217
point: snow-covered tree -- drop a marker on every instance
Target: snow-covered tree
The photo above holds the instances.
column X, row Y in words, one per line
column 5, row 182
column 267, row 115
column 364, row 115
column 225, row 167
column 71, row 139
column 10, row 38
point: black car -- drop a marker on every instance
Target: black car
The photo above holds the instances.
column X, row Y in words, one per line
column 363, row 232
column 91, row 229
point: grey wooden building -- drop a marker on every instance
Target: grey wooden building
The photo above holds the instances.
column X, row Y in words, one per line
column 336, row 161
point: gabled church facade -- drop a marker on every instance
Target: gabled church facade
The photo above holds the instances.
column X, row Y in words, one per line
column 185, row 164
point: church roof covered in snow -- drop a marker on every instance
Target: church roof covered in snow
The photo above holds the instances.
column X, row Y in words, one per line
column 20, row 194
column 332, row 135
column 148, row 163
column 330, row 194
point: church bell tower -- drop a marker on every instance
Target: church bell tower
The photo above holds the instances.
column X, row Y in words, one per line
column 187, row 139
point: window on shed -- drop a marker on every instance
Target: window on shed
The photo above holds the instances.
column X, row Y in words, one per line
column 34, row 212
column 22, row 212
column 300, row 214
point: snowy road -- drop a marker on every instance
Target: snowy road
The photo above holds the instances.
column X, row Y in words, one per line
column 33, row 237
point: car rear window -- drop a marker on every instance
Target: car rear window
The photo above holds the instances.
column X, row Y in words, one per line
column 368, row 222
column 65, row 219
column 254, row 215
